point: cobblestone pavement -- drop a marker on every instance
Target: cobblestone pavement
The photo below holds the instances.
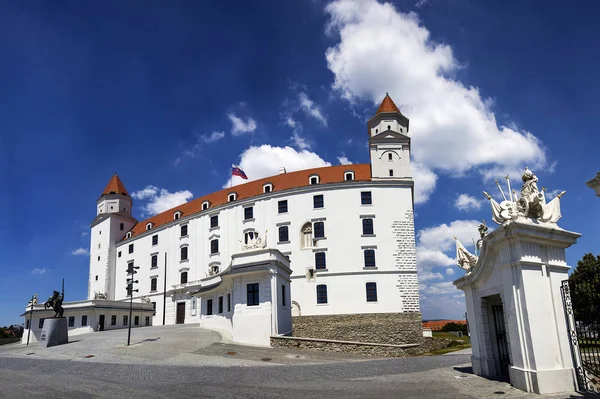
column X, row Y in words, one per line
column 185, row 362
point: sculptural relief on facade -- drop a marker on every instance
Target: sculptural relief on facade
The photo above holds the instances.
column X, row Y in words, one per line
column 254, row 241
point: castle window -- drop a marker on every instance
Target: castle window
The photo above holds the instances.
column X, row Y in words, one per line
column 176, row 215
column 184, row 278
column 98, row 259
column 282, row 206
column 284, row 234
column 365, row 198
column 369, row 258
column 321, row 294
column 231, row 197
column 318, row 201
column 155, row 239
column 320, row 260
column 122, row 226
column 249, row 213
column 183, row 230
column 214, row 221
column 252, row 294
column 391, row 172
column 349, row 176
column 214, row 246
column 314, row 179
column 267, row 188
column 205, row 205
column 96, row 277
column 154, row 261
column 307, row 235
column 119, row 254
column 184, row 253
column 153, row 284
column 148, row 226
column 367, row 226
column 371, row 292
column 130, row 248
column 390, row 156
column 319, row 228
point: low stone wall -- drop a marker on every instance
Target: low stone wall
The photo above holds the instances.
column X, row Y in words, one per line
column 344, row 347
column 4, row 341
column 381, row 328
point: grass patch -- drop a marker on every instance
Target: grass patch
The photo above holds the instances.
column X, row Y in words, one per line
column 448, row 350
column 440, row 334
column 465, row 343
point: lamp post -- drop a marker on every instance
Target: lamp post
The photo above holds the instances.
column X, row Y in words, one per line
column 30, row 316
column 131, row 270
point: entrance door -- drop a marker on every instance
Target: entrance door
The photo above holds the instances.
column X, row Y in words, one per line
column 180, row 313
column 101, row 322
column 500, row 331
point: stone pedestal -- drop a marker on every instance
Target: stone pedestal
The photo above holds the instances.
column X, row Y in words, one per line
column 54, row 332
column 515, row 309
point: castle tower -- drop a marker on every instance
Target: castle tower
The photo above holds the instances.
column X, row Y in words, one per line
column 389, row 143
column 113, row 220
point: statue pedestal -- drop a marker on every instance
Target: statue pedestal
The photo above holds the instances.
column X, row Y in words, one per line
column 54, row 332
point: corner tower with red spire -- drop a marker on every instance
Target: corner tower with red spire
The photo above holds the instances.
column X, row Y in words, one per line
column 113, row 221
column 389, row 143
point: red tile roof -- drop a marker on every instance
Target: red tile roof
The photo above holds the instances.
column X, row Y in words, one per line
column 387, row 105
column 115, row 186
column 439, row 324
column 283, row 181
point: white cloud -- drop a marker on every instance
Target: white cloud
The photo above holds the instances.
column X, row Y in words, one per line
column 343, row 160
column 465, row 202
column 80, row 251
column 311, row 109
column 445, row 287
column 160, row 199
column 291, row 122
column 550, row 195
column 300, row 142
column 427, row 276
column 441, row 238
column 424, row 180
column 39, row 271
column 450, row 272
column 455, row 129
column 263, row 161
column 213, row 137
column 239, row 126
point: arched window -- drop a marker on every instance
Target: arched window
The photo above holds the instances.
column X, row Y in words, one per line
column 184, row 253
column 231, row 197
column 176, row 215
column 128, row 235
column 205, row 205
column 314, row 179
column 367, row 225
column 307, row 235
column 267, row 188
column 148, row 226
column 349, row 175
column 184, row 277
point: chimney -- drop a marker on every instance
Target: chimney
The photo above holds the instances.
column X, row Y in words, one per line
column 282, row 170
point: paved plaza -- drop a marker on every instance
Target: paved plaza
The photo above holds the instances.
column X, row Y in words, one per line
column 186, row 361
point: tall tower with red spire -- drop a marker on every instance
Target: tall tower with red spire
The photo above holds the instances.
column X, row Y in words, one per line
column 389, row 143
column 113, row 220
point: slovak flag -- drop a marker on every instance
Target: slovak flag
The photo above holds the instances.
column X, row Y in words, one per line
column 237, row 171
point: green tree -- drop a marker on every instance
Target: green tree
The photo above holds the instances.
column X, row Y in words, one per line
column 584, row 286
column 454, row 327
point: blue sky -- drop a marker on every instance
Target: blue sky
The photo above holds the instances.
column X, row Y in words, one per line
column 170, row 94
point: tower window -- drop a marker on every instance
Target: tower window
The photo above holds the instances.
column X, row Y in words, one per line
column 284, row 234
column 319, row 228
column 367, row 225
column 214, row 246
column 183, row 230
column 153, row 284
column 184, row 253
column 214, row 221
column 122, row 226
column 321, row 293
column 282, row 206
column 98, row 259
column 130, row 248
column 154, row 261
column 369, row 258
column 184, row 278
column 320, row 262
column 318, row 201
column 390, row 157
column 391, row 172
column 119, row 254
column 155, row 239
column 371, row 292
column 249, row 213
column 96, row 277
column 307, row 235
column 365, row 198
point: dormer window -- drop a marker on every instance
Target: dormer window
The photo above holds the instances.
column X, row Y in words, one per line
column 176, row 215
column 348, row 175
column 314, row 179
column 148, row 226
column 267, row 188
column 205, row 205
column 231, row 197
column 128, row 235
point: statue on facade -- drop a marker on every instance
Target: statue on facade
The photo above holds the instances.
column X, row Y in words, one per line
column 145, row 299
column 482, row 228
column 254, row 241
column 464, row 259
column 33, row 300
column 55, row 302
column 531, row 204
column 99, row 295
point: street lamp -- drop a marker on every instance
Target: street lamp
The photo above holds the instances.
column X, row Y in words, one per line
column 131, row 270
column 33, row 298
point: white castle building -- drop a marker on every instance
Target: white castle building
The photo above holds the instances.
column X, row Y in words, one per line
column 347, row 232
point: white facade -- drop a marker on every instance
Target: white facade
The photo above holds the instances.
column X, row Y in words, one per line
column 384, row 201
column 89, row 316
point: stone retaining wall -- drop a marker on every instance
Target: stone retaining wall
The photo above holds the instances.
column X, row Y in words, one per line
column 381, row 328
column 359, row 349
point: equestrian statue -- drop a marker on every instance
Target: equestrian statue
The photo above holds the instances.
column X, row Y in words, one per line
column 55, row 302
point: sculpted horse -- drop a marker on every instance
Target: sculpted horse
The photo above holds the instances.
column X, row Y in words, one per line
column 55, row 302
